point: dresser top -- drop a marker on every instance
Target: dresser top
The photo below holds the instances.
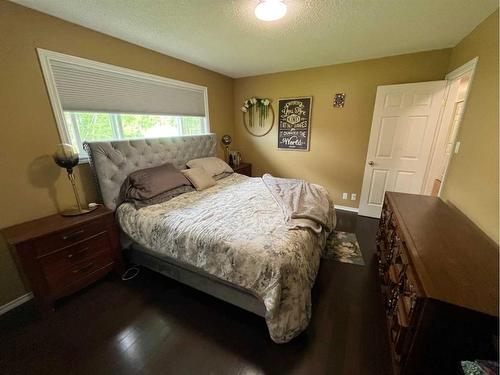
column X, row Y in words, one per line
column 50, row 224
column 455, row 261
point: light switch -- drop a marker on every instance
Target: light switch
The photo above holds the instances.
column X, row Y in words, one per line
column 457, row 147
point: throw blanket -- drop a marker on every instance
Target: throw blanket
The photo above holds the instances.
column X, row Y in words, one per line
column 304, row 205
column 235, row 231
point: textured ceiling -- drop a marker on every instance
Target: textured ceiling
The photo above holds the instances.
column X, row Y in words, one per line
column 225, row 36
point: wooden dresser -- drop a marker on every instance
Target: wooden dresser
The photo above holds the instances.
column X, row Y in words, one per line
column 439, row 276
column 60, row 255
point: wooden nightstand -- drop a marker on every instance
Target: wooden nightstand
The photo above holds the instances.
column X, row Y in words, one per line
column 61, row 255
column 243, row 168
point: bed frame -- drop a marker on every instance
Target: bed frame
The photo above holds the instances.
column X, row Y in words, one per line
column 111, row 162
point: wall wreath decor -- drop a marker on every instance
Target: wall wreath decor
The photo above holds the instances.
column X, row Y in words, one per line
column 258, row 116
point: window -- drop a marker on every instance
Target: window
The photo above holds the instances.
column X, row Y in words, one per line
column 95, row 126
column 93, row 101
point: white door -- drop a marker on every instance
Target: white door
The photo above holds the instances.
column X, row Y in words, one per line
column 404, row 122
column 434, row 176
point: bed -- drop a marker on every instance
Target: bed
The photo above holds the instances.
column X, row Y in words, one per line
column 229, row 240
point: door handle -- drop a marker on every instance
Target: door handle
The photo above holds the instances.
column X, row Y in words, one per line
column 371, row 163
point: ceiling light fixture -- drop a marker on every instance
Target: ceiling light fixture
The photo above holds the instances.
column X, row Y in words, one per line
column 270, row 10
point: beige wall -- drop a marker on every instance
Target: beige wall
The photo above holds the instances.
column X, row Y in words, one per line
column 339, row 137
column 31, row 185
column 472, row 180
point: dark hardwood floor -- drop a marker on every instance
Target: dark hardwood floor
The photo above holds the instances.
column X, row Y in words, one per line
column 154, row 325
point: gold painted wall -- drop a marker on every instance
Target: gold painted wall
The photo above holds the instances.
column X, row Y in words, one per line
column 339, row 137
column 472, row 180
column 32, row 185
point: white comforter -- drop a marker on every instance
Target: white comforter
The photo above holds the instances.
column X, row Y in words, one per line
column 235, row 231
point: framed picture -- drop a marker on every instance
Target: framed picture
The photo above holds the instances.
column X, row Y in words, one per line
column 294, row 123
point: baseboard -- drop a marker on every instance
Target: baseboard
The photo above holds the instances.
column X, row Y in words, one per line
column 17, row 302
column 346, row 208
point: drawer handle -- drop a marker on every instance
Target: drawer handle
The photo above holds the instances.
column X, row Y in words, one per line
column 73, row 235
column 78, row 252
column 85, row 268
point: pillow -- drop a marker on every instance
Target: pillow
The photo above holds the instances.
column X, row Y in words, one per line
column 212, row 165
column 222, row 175
column 199, row 178
column 148, row 183
column 162, row 197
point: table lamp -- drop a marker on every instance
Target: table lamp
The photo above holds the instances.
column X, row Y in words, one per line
column 226, row 141
column 67, row 157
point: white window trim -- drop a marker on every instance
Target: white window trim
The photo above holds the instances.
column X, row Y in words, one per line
column 469, row 66
column 46, row 57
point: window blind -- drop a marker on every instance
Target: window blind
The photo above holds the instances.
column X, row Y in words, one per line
column 92, row 89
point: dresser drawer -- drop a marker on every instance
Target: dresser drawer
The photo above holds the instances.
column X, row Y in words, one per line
column 63, row 277
column 73, row 254
column 67, row 237
column 399, row 329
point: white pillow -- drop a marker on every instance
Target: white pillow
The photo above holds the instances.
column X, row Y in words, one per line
column 212, row 165
column 199, row 178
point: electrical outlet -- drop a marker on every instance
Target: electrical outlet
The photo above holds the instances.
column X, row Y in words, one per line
column 353, row 196
column 344, row 195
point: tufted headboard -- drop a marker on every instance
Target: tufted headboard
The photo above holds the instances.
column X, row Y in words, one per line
column 113, row 161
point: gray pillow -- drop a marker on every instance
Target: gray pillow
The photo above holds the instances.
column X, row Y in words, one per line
column 162, row 197
column 150, row 182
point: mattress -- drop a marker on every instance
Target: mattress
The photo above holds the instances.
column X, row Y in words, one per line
column 235, row 232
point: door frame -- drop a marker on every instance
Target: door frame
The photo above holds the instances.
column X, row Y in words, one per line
column 469, row 66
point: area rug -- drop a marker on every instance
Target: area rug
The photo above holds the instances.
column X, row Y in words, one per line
column 343, row 247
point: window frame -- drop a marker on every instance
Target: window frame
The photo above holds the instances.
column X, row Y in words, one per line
column 46, row 57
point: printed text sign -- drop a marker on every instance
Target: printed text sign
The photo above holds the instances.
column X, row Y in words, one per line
column 294, row 123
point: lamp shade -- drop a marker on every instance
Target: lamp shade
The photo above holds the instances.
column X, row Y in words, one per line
column 226, row 140
column 66, row 156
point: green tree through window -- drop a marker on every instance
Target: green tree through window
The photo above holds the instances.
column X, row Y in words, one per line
column 89, row 126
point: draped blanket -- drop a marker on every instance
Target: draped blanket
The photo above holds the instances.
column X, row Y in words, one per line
column 235, row 231
column 304, row 205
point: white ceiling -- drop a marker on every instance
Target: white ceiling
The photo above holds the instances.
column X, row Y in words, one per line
column 225, row 36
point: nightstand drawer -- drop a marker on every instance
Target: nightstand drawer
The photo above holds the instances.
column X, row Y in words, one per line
column 69, row 256
column 63, row 277
column 67, row 237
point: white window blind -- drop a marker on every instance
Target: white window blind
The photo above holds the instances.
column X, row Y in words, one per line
column 96, row 89
column 94, row 101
